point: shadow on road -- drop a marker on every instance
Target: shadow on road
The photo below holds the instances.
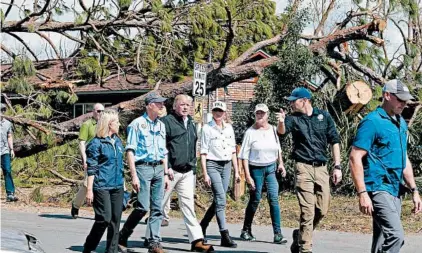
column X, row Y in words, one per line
column 62, row 216
column 101, row 247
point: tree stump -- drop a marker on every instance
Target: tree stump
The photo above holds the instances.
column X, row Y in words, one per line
column 353, row 97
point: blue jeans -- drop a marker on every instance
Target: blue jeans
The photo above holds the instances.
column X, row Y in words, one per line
column 7, row 174
column 150, row 197
column 261, row 175
column 219, row 173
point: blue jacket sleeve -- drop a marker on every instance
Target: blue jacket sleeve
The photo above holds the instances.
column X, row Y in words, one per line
column 365, row 135
column 92, row 156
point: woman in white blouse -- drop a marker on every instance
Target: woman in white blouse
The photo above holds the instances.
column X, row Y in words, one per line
column 260, row 152
column 218, row 154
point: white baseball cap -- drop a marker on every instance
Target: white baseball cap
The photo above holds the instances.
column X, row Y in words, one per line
column 261, row 107
column 219, row 105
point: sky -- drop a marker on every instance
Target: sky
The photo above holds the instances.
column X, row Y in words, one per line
column 393, row 39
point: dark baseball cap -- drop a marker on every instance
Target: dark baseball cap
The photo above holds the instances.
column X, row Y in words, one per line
column 399, row 89
column 299, row 93
column 154, row 97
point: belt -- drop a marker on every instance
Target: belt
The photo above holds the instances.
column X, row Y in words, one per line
column 148, row 163
column 314, row 163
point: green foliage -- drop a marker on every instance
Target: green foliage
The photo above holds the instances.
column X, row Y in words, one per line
column 20, row 86
column 90, row 68
column 124, row 4
column 23, row 67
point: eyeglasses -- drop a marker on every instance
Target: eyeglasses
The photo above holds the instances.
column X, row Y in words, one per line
column 99, row 111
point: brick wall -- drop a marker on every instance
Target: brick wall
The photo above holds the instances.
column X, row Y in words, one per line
column 237, row 92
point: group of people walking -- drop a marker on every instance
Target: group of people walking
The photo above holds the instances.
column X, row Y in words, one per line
column 161, row 155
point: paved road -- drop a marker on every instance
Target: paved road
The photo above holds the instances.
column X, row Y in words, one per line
column 59, row 233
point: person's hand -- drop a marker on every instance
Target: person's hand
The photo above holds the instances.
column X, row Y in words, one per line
column 417, row 205
column 207, row 180
column 89, row 197
column 281, row 116
column 85, row 166
column 365, row 204
column 251, row 183
column 135, row 183
column 237, row 177
column 337, row 175
column 12, row 153
column 171, row 174
column 166, row 183
column 281, row 170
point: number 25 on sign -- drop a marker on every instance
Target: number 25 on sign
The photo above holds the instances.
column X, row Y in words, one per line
column 199, row 80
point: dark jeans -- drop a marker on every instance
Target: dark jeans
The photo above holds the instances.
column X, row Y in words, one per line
column 7, row 174
column 219, row 173
column 108, row 211
column 261, row 175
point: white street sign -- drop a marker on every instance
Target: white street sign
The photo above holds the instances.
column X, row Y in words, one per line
column 199, row 80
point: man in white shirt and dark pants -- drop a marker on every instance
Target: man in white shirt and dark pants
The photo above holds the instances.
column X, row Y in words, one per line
column 218, row 153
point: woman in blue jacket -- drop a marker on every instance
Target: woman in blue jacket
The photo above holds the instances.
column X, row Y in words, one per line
column 105, row 182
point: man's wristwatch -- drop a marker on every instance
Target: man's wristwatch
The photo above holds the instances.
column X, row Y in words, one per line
column 337, row 167
column 413, row 190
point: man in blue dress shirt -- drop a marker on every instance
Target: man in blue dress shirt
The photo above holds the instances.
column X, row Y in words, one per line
column 147, row 160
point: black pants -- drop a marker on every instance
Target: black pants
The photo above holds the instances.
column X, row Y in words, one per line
column 108, row 211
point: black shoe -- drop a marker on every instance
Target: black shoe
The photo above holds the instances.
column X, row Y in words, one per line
column 146, row 243
column 247, row 236
column 11, row 198
column 74, row 212
column 279, row 239
column 294, row 248
column 226, row 240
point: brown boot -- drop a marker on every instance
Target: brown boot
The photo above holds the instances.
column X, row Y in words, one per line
column 200, row 246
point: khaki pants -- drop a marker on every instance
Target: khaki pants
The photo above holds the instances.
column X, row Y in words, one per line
column 80, row 197
column 313, row 193
column 184, row 185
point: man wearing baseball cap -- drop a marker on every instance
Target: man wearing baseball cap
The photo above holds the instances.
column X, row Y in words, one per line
column 379, row 163
column 312, row 130
column 147, row 159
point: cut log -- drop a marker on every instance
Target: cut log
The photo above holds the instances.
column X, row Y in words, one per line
column 353, row 97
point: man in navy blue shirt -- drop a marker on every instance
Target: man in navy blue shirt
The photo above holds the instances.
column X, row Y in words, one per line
column 379, row 163
column 313, row 130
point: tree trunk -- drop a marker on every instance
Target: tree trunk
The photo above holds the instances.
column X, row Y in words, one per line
column 352, row 97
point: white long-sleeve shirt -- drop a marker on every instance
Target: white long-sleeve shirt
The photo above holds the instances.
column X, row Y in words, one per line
column 260, row 146
column 218, row 143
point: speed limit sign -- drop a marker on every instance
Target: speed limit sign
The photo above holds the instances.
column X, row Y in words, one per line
column 199, row 80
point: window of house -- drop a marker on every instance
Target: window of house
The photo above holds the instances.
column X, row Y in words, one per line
column 82, row 108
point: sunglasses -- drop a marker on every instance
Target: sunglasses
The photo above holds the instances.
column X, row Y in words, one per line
column 99, row 111
column 398, row 99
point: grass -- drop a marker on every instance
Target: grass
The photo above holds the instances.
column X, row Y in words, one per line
column 343, row 215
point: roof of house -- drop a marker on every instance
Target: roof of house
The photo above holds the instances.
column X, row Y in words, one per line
column 54, row 70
